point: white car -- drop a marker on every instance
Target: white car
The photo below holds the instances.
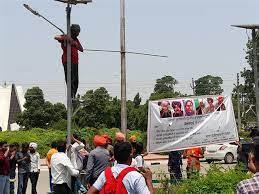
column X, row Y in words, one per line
column 226, row 152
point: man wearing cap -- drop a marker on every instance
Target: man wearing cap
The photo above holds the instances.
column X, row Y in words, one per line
column 98, row 160
column 35, row 166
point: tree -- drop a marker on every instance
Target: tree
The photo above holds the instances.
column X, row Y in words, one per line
column 208, row 85
column 33, row 116
column 95, row 110
column 165, row 84
column 137, row 100
column 164, row 88
column 248, row 75
column 38, row 112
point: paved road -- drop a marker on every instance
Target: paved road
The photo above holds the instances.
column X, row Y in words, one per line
column 158, row 167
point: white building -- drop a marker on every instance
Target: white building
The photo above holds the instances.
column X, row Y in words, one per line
column 11, row 103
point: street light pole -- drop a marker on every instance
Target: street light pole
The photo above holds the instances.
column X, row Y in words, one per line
column 69, row 97
column 123, row 68
column 254, row 28
column 256, row 73
column 238, row 104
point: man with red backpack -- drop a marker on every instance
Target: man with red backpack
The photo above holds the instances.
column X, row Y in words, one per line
column 123, row 179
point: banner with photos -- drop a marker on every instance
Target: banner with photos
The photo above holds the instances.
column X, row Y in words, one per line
column 176, row 124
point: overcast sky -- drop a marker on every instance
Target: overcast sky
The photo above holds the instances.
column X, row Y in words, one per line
column 196, row 35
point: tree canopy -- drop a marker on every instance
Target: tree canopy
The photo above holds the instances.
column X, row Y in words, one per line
column 164, row 88
column 38, row 112
column 208, row 85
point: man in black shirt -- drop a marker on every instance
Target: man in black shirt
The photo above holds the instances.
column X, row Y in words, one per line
column 174, row 166
column 13, row 150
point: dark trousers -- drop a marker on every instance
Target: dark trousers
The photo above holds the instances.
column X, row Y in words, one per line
column 61, row 189
column 50, row 181
column 34, row 176
column 175, row 173
column 22, row 182
column 74, row 78
column 12, row 179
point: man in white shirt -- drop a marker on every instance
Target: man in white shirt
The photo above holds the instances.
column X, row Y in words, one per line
column 134, row 182
column 75, row 148
column 35, row 166
column 77, row 162
column 138, row 156
column 62, row 170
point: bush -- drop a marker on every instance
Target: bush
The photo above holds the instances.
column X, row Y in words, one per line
column 40, row 136
column 61, row 125
column 217, row 180
column 245, row 134
column 44, row 137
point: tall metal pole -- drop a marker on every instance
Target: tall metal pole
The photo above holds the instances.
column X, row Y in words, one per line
column 192, row 85
column 69, row 98
column 238, row 104
column 256, row 73
column 123, row 68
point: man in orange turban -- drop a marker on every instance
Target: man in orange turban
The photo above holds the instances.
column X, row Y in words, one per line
column 193, row 163
column 100, row 141
column 98, row 160
column 133, row 139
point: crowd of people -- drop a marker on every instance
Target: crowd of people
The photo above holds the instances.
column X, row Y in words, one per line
column 107, row 167
column 117, row 167
column 28, row 160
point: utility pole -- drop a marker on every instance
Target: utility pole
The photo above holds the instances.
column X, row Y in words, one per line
column 238, row 104
column 192, row 85
column 68, row 44
column 243, row 102
column 123, row 68
column 254, row 29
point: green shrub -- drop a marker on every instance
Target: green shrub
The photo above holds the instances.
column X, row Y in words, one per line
column 244, row 134
column 61, row 125
column 217, row 180
column 42, row 137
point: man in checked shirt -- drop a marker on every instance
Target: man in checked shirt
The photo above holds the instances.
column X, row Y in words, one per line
column 251, row 186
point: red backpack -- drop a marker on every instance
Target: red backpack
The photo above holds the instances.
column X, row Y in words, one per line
column 115, row 186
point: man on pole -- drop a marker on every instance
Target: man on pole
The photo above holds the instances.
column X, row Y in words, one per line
column 75, row 47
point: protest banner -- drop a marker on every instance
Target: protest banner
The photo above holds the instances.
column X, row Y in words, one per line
column 177, row 124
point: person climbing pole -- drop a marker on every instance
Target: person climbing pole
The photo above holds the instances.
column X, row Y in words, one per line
column 75, row 47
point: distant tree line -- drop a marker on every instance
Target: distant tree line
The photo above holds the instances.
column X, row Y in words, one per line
column 96, row 108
